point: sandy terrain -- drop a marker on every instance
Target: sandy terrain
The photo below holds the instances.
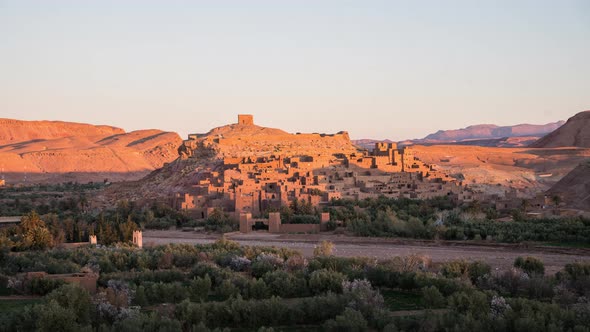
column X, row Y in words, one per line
column 53, row 152
column 499, row 256
column 536, row 169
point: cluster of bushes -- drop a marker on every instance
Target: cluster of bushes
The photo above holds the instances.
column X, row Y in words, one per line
column 205, row 278
column 225, row 285
column 441, row 218
column 36, row 232
column 68, row 197
column 570, row 229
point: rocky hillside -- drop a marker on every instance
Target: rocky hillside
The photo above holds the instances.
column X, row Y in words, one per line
column 575, row 132
column 574, row 188
column 52, row 151
column 238, row 140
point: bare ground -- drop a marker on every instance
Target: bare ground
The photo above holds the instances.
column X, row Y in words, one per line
column 499, row 256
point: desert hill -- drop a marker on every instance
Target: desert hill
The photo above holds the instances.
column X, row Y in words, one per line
column 250, row 140
column 54, row 151
column 575, row 187
column 21, row 131
column 489, row 167
column 575, row 132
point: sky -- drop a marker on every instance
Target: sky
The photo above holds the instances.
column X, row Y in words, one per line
column 377, row 69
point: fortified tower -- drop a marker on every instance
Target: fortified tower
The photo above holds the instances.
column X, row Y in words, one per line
column 138, row 238
column 246, row 119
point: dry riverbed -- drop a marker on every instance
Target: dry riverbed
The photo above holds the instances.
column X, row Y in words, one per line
column 499, row 256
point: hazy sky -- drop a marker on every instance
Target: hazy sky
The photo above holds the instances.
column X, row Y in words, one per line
column 379, row 69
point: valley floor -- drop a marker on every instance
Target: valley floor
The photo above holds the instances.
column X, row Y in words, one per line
column 499, row 256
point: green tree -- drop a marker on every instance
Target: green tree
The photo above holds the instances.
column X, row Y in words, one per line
column 75, row 299
column 433, row 298
column 126, row 229
column 53, row 317
column 200, row 288
column 258, row 289
column 350, row 321
column 325, row 280
column 227, row 289
column 477, row 270
column 140, row 298
column 35, row 234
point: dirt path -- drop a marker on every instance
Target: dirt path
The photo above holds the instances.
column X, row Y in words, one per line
column 498, row 256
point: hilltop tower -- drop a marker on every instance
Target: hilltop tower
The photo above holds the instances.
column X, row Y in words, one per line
column 246, row 119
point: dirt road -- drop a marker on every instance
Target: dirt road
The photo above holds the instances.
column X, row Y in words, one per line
column 498, row 256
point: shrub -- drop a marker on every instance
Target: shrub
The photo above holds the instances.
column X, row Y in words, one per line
column 455, row 269
column 473, row 302
column 295, row 263
column 258, row 290
column 303, row 219
column 530, row 265
column 577, row 270
column 140, row 298
column 54, row 317
column 227, row 289
column 478, row 270
column 75, row 299
column 433, row 298
column 260, row 268
column 325, row 248
column 199, row 288
column 363, row 297
column 324, row 280
column 239, row 263
column 350, row 320
column 160, row 224
column 285, row 284
column 43, row 286
column 331, row 225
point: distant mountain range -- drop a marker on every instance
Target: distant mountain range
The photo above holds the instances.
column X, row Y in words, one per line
column 481, row 135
